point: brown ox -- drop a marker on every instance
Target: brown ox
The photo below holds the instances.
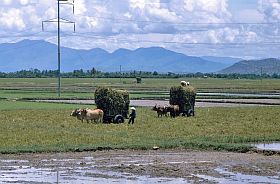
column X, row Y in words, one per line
column 174, row 110
column 161, row 110
column 90, row 114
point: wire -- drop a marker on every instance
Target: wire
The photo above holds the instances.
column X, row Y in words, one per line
column 174, row 42
column 188, row 23
column 18, row 36
column 119, row 20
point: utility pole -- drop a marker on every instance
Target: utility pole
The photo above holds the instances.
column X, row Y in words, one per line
column 67, row 2
column 278, row 67
column 120, row 73
column 261, row 72
column 58, row 48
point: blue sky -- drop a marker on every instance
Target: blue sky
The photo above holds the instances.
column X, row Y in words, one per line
column 238, row 28
column 242, row 4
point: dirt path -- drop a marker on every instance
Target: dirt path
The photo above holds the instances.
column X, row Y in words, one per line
column 199, row 103
column 128, row 166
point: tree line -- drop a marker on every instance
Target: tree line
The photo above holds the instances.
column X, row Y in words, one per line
column 93, row 73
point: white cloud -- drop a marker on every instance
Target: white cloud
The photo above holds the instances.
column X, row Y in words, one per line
column 80, row 7
column 229, row 35
column 251, row 36
column 212, row 11
column 189, row 5
column 144, row 16
column 175, row 24
column 12, row 20
column 5, row 2
column 213, row 36
column 270, row 9
column 248, row 15
column 50, row 13
column 24, row 2
column 31, row 17
column 140, row 3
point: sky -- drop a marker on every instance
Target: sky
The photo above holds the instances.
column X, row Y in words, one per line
column 236, row 28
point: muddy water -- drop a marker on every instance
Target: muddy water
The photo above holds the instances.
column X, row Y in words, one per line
column 74, row 171
column 268, row 146
column 235, row 177
column 128, row 166
column 27, row 174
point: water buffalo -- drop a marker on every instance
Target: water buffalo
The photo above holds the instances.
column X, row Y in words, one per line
column 174, row 110
column 161, row 110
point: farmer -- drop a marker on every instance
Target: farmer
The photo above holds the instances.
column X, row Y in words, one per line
column 132, row 115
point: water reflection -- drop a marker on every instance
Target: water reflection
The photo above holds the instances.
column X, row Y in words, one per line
column 85, row 175
column 268, row 146
column 233, row 178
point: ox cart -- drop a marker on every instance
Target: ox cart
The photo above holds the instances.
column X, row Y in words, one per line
column 114, row 103
column 184, row 97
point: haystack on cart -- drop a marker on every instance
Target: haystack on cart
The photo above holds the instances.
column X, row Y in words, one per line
column 184, row 97
column 114, row 103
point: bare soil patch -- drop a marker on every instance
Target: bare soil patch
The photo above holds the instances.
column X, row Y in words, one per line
column 186, row 165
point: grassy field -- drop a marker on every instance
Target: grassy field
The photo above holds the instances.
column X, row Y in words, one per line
column 45, row 127
column 150, row 88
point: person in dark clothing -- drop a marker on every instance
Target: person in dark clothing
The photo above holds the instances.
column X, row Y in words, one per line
column 132, row 115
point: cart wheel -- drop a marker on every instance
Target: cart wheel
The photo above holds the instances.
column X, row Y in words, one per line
column 190, row 112
column 118, row 119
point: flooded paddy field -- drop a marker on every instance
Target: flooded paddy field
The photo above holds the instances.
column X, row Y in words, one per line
column 268, row 146
column 151, row 166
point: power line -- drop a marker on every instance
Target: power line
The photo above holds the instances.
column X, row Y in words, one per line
column 187, row 23
column 23, row 31
column 119, row 20
column 208, row 25
column 58, row 34
column 175, row 42
column 85, row 35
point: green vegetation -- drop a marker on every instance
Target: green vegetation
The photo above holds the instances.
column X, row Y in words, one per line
column 43, row 127
column 18, row 105
column 12, row 88
column 111, row 101
column 35, row 73
column 184, row 97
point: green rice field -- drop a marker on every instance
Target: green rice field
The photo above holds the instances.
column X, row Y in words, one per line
column 48, row 127
column 149, row 88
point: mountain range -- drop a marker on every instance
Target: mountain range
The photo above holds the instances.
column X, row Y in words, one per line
column 263, row 66
column 42, row 55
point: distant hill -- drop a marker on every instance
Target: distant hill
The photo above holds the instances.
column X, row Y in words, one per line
column 265, row 66
column 228, row 61
column 42, row 55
